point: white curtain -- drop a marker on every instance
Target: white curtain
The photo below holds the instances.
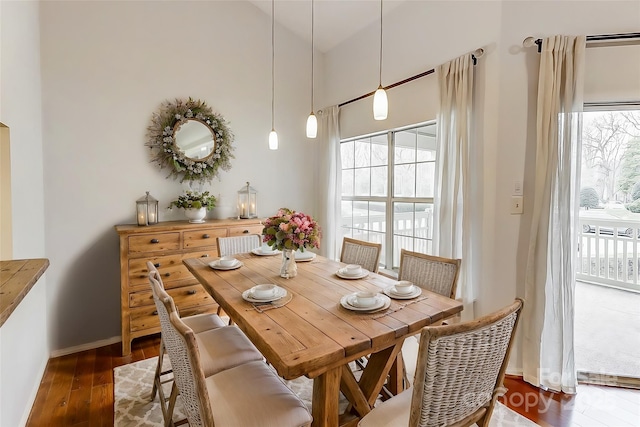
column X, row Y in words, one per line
column 452, row 232
column 328, row 180
column 548, row 357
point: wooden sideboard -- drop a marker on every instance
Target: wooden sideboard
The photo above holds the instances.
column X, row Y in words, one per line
column 166, row 244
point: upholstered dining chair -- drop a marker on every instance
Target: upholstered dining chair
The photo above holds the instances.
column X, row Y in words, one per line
column 221, row 348
column 238, row 244
column 459, row 374
column 198, row 323
column 251, row 395
column 365, row 254
column 436, row 274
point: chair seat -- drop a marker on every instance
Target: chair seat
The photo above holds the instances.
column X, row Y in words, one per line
column 203, row 322
column 252, row 395
column 392, row 412
column 225, row 348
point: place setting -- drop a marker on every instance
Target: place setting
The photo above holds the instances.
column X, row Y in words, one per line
column 403, row 290
column 266, row 296
column 304, row 256
column 226, row 263
column 365, row 301
column 265, row 250
column 352, row 271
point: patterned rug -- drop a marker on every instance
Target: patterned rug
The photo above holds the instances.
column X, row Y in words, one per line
column 133, row 408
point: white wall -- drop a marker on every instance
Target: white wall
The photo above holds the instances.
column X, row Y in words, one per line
column 422, row 34
column 107, row 66
column 24, row 349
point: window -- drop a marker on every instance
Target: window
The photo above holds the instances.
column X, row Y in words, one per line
column 388, row 189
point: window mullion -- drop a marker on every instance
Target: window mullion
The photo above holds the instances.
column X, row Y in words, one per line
column 388, row 262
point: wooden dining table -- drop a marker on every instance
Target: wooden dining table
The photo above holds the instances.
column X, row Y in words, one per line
column 309, row 333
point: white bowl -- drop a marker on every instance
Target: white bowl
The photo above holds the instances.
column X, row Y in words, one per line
column 403, row 287
column 227, row 261
column 263, row 291
column 365, row 298
column 353, row 269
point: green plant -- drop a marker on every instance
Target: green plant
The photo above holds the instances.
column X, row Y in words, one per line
column 195, row 200
column 589, row 198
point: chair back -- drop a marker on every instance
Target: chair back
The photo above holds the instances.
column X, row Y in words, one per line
column 182, row 348
column 461, row 368
column 436, row 274
column 238, row 244
column 365, row 254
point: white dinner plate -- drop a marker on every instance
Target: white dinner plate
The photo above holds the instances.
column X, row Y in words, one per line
column 390, row 291
column 342, row 273
column 305, row 256
column 216, row 265
column 258, row 251
column 382, row 302
column 279, row 293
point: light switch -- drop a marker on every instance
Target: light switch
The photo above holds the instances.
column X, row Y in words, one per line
column 517, row 188
column 516, row 205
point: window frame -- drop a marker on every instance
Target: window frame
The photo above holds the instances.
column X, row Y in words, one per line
column 390, row 199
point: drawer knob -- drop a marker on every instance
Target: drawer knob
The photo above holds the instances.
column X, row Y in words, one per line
column 167, row 274
column 204, row 255
column 155, row 312
column 155, row 241
column 156, row 265
column 246, row 232
column 191, row 292
column 205, row 236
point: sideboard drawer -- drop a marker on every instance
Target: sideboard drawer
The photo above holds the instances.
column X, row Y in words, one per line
column 185, row 296
column 154, row 242
column 144, row 318
column 201, row 238
column 248, row 229
column 170, row 267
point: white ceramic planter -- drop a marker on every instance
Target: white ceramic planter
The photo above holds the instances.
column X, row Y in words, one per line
column 195, row 216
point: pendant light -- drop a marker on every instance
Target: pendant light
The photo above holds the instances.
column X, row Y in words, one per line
column 380, row 103
column 273, row 136
column 312, row 121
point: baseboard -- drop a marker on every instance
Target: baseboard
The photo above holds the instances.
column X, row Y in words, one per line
column 84, row 347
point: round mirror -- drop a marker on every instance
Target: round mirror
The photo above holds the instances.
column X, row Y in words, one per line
column 194, row 138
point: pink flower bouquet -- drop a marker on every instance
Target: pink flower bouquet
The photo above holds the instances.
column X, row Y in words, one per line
column 291, row 230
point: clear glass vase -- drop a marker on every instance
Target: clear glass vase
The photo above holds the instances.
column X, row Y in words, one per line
column 288, row 269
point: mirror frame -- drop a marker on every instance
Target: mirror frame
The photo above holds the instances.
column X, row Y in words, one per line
column 164, row 151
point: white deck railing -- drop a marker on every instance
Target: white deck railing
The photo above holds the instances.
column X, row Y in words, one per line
column 608, row 252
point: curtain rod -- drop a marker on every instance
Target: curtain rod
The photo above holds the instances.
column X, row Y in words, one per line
column 529, row 41
column 474, row 56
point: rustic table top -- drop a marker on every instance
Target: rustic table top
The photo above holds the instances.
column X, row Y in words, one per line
column 312, row 332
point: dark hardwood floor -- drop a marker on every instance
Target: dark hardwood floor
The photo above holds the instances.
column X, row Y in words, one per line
column 77, row 391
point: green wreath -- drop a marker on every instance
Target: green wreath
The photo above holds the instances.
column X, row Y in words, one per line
column 168, row 155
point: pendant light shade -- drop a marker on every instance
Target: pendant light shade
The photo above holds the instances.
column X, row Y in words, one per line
column 273, row 140
column 312, row 126
column 312, row 121
column 273, row 136
column 380, row 102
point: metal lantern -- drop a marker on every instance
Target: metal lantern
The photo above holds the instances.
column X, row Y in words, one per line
column 247, row 202
column 147, row 210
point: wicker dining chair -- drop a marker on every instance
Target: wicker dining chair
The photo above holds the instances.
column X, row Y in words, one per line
column 198, row 323
column 238, row 244
column 251, row 395
column 221, row 348
column 436, row 274
column 365, row 254
column 459, row 375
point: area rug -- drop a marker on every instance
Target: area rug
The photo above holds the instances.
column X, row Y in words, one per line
column 133, row 407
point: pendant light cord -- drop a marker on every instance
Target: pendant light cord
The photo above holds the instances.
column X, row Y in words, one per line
column 272, row 62
column 312, row 20
column 380, row 43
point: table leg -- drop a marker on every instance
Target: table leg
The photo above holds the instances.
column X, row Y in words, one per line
column 395, row 384
column 326, row 394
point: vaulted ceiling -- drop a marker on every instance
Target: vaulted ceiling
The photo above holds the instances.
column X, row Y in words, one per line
column 335, row 20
